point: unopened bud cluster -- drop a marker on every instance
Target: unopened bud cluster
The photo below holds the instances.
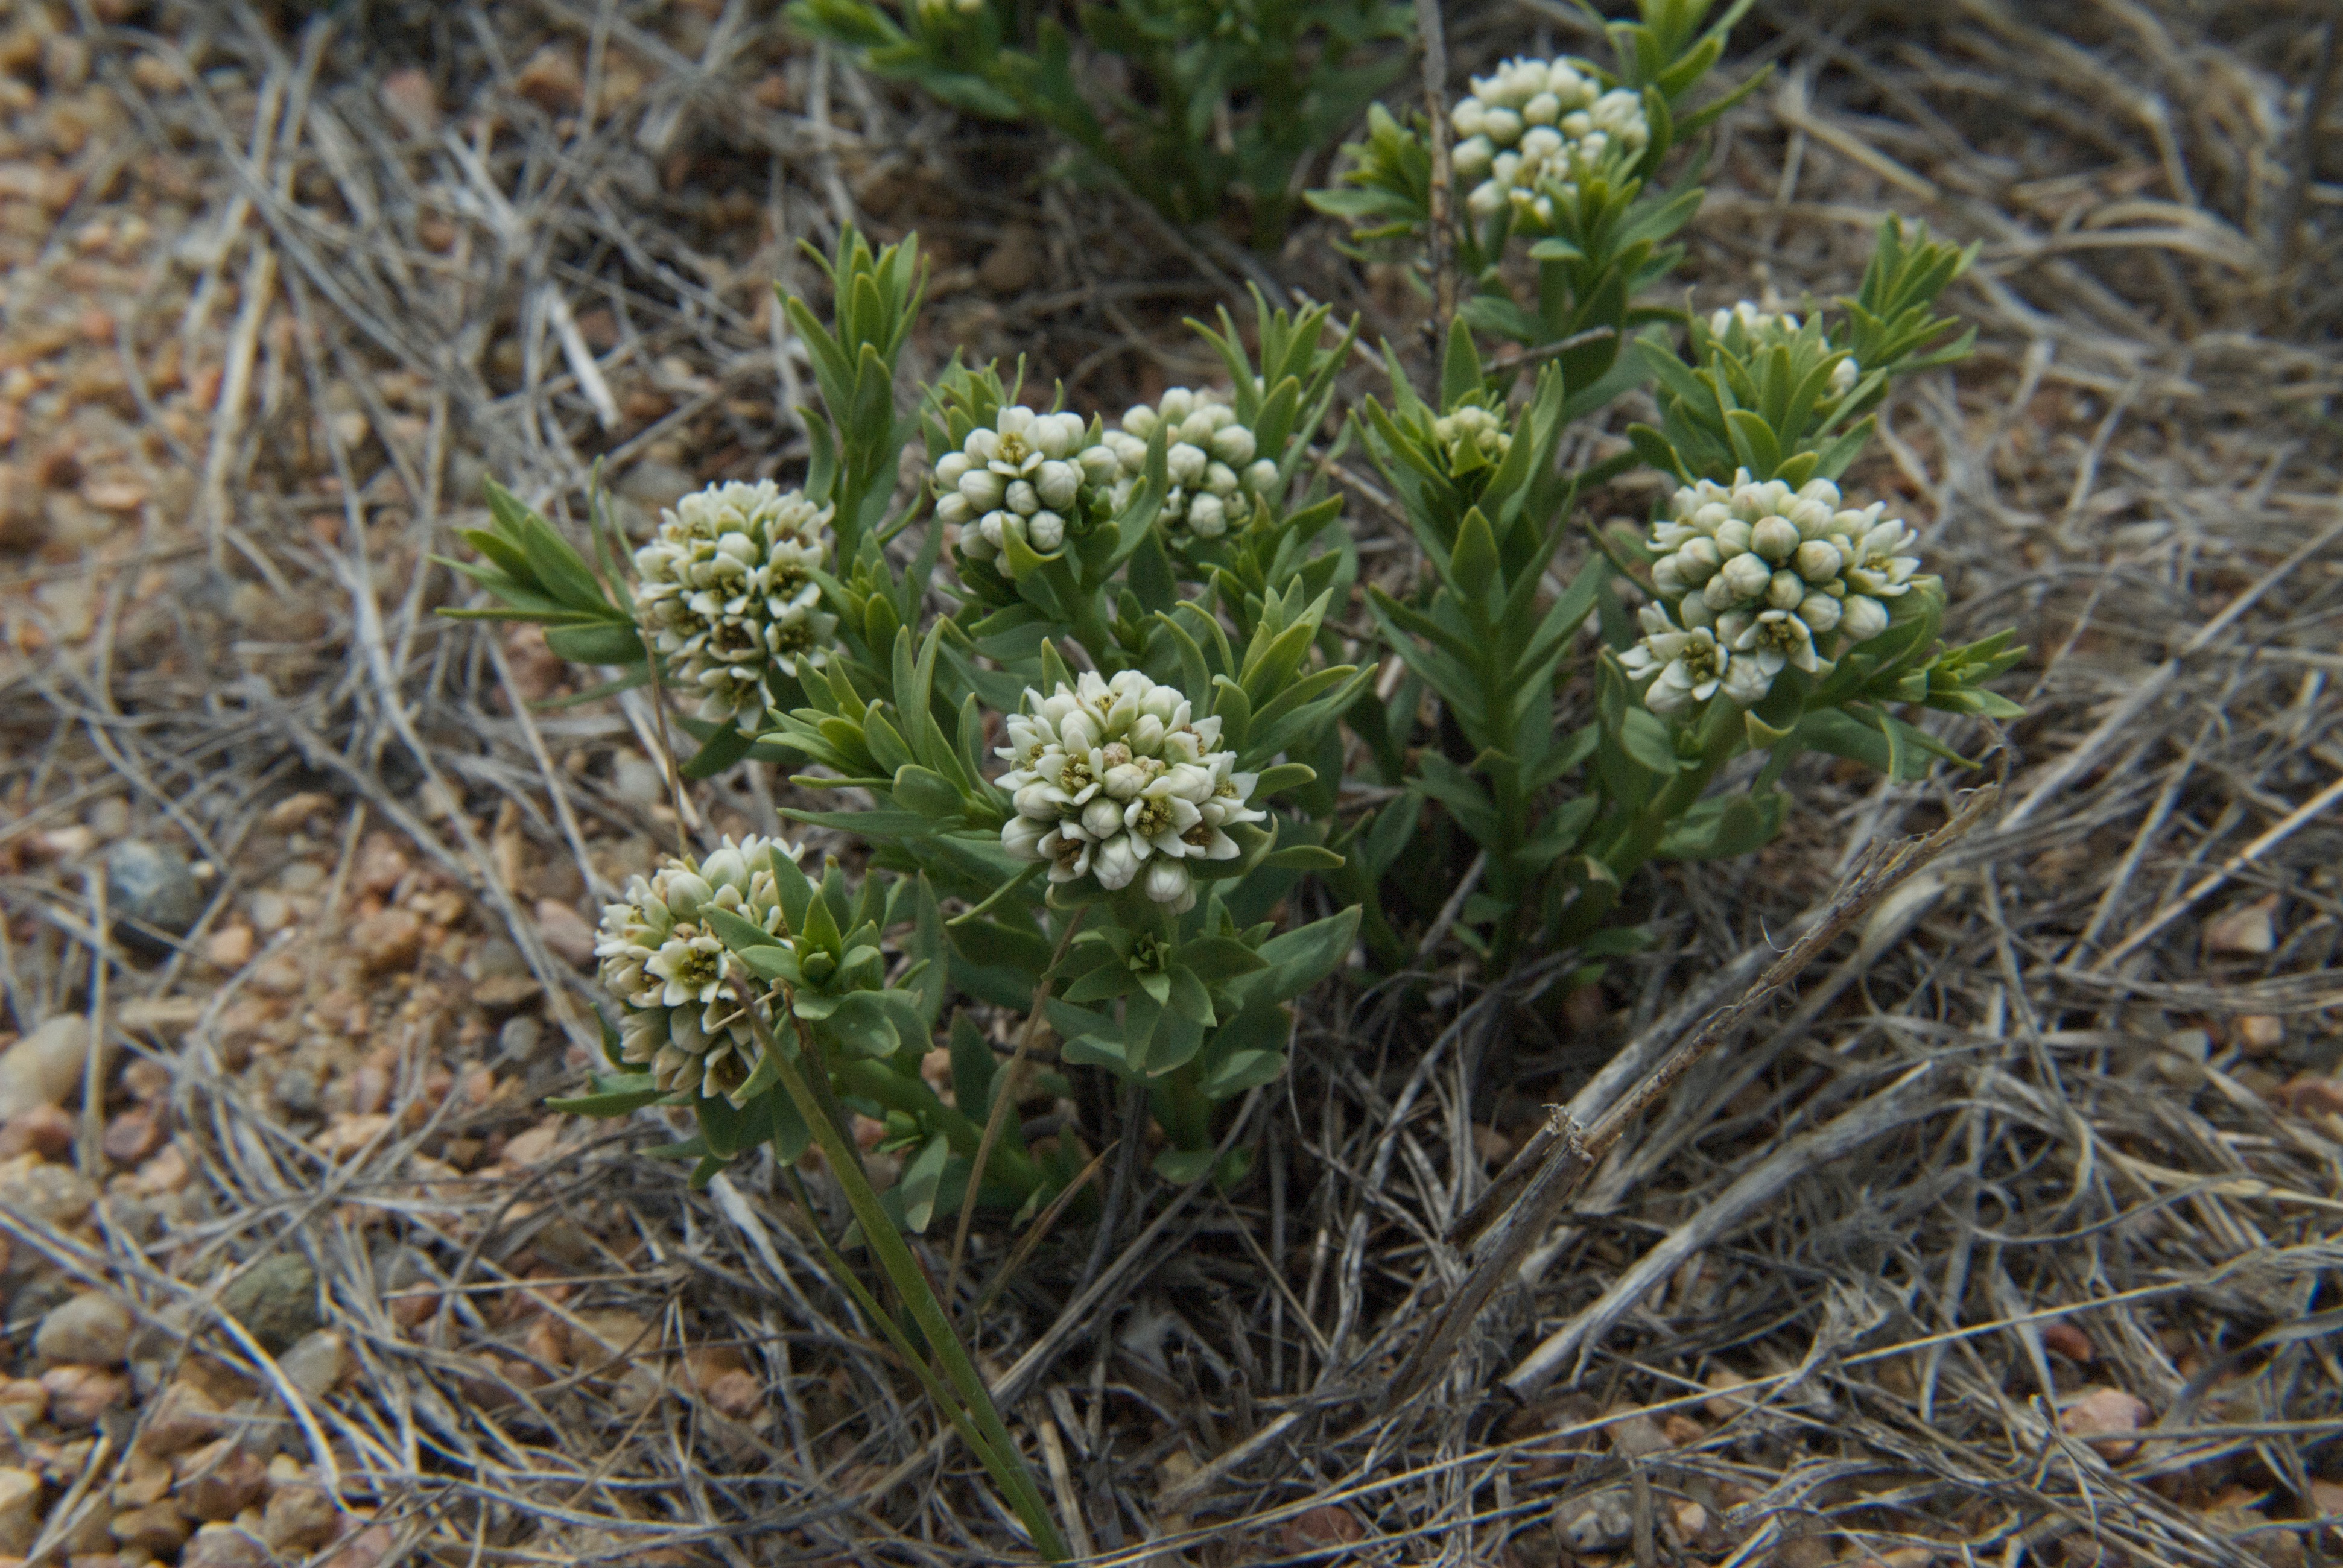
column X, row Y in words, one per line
column 1217, row 474
column 1040, row 478
column 1752, row 577
column 1763, row 328
column 1534, row 121
column 1115, row 781
column 660, row 958
column 727, row 591
column 1470, row 437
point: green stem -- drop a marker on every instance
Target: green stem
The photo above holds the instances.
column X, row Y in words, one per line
column 1723, row 735
column 1000, row 1455
column 1181, row 1109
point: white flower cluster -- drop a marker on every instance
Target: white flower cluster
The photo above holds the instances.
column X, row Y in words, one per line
column 1471, row 430
column 1763, row 327
column 1217, row 476
column 1753, row 575
column 660, row 958
column 1530, row 120
column 727, row 591
column 1114, row 780
column 1029, row 477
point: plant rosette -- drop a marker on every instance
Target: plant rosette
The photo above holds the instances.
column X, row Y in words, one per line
column 729, row 590
column 1532, row 122
column 1754, row 578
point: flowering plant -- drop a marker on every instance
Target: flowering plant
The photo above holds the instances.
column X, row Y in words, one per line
column 1091, row 793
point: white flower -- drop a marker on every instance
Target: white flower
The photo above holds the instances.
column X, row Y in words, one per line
column 1220, row 478
column 727, row 593
column 1530, row 122
column 1750, row 558
column 1677, row 668
column 670, row 973
column 1037, row 478
column 1112, row 777
column 1470, row 437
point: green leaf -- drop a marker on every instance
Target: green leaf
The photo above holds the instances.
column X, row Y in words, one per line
column 1182, row 1166
column 975, row 1068
column 919, row 1182
column 606, row 643
column 1305, row 858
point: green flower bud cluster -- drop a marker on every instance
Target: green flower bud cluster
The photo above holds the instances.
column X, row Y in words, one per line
column 1219, row 476
column 1040, row 478
column 1763, row 328
column 1532, row 121
column 1756, row 578
column 727, row 591
column 660, row 958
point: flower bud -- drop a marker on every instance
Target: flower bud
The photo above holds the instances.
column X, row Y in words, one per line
column 1022, row 498
column 1187, row 463
column 1100, row 465
column 1820, row 611
column 1471, row 156
column 1115, row 862
column 1176, row 404
column 1260, row 476
column 1102, row 817
column 1220, row 479
column 1139, row 421
column 1045, row 531
column 1543, row 110
column 1054, row 435
column 983, row 488
column 1502, row 126
column 1667, row 576
column 1207, row 517
column 1167, row 882
column 1745, row 576
column 953, row 508
column 950, row 468
column 1863, row 618
column 1697, row 561
column 1775, row 538
column 1817, row 560
column 1233, row 444
column 1058, row 483
column 1785, row 591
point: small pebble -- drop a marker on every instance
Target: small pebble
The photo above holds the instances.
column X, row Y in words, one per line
column 1013, row 262
column 520, row 1039
column 132, row 1136
column 219, row 1481
column 20, row 1511
column 391, row 940
column 1600, row 1522
column 78, row 1395
column 276, row 1298
column 224, row 1547
column 232, row 946
column 2107, row 1409
column 154, row 886
column 316, row 1363
column 1320, row 1529
column 299, row 1519
column 46, row 1066
column 184, row 1417
column 154, row 1530
column 44, row 1131
column 91, row 1327
column 55, row 1195
column 298, row 1090
column 566, row 935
